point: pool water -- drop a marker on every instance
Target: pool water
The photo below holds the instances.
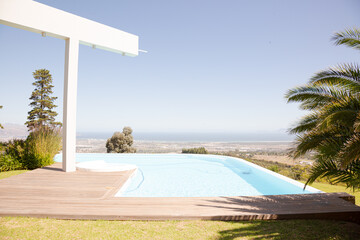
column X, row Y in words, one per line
column 196, row 175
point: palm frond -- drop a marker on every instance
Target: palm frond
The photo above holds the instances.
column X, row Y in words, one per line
column 357, row 123
column 349, row 37
column 329, row 168
column 313, row 97
column 343, row 118
column 345, row 76
column 306, row 124
column 326, row 142
column 322, row 168
column 309, row 142
column 342, row 113
column 351, row 150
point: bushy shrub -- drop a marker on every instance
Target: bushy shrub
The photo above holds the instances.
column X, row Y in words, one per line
column 16, row 149
column 38, row 150
column 2, row 147
column 9, row 163
column 121, row 142
column 299, row 172
column 42, row 145
column 200, row 150
column 274, row 168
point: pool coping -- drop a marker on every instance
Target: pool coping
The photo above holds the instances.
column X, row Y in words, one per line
column 50, row 192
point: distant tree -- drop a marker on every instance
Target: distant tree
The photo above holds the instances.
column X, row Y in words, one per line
column 0, row 123
column 121, row 142
column 42, row 103
column 200, row 150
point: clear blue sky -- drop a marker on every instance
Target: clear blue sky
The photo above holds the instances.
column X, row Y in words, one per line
column 212, row 66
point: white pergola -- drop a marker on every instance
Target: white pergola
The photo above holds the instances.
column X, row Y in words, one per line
column 48, row 21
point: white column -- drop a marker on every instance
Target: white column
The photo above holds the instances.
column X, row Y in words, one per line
column 69, row 108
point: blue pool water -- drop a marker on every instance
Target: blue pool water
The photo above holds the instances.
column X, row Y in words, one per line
column 194, row 175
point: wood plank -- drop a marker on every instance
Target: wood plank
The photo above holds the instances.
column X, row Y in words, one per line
column 50, row 192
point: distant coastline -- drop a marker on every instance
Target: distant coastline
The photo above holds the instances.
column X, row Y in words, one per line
column 196, row 137
column 11, row 131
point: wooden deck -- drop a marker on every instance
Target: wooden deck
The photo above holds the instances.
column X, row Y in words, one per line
column 49, row 192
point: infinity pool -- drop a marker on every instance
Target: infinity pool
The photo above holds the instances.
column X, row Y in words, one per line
column 196, row 175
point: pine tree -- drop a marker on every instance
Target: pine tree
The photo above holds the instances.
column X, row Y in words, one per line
column 42, row 114
column 0, row 123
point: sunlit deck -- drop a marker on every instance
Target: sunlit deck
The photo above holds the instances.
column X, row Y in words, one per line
column 50, row 192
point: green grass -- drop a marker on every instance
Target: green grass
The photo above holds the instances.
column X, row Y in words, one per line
column 11, row 173
column 337, row 188
column 32, row 228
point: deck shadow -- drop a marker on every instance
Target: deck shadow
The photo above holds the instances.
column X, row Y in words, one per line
column 304, row 229
column 53, row 169
column 296, row 206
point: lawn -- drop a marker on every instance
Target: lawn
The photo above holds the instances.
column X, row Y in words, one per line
column 34, row 228
column 11, row 173
column 31, row 228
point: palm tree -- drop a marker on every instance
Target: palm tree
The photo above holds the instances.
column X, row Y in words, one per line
column 332, row 129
